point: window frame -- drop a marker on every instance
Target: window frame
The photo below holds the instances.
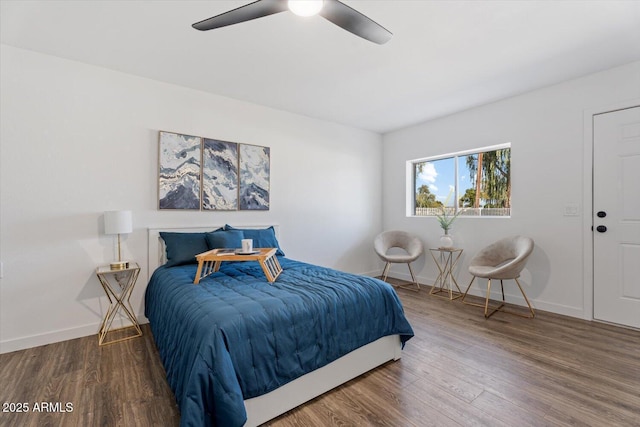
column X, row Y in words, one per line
column 411, row 179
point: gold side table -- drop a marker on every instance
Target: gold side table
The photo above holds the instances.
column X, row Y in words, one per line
column 118, row 285
column 446, row 260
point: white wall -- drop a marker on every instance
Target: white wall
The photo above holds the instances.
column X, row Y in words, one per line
column 77, row 140
column 546, row 130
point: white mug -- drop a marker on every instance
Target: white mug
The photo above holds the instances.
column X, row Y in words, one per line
column 247, row 245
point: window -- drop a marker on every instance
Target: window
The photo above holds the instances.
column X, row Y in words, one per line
column 476, row 182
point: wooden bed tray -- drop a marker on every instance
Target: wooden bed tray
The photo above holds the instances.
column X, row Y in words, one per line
column 268, row 406
column 209, row 262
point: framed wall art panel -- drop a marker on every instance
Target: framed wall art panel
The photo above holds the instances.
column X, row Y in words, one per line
column 254, row 166
column 180, row 160
column 219, row 175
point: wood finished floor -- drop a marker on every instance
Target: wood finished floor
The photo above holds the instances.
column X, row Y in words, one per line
column 459, row 370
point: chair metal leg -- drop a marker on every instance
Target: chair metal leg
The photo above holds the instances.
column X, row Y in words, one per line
column 414, row 283
column 464, row 296
column 486, row 301
column 486, row 304
column 486, row 307
column 413, row 277
column 533, row 314
column 386, row 271
column 414, row 286
column 488, row 314
column 468, row 287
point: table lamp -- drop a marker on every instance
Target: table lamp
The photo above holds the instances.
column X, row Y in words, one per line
column 118, row 222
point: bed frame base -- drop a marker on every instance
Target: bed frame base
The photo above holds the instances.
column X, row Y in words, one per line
column 268, row 406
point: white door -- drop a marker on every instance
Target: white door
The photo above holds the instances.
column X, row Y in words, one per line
column 616, row 217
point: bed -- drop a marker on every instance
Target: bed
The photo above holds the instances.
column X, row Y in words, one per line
column 238, row 350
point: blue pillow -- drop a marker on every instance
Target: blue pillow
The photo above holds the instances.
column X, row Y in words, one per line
column 225, row 239
column 182, row 248
column 262, row 237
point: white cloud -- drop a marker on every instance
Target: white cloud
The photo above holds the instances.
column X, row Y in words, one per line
column 433, row 188
column 428, row 173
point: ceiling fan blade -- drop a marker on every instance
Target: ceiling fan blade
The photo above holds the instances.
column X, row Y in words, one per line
column 355, row 22
column 250, row 11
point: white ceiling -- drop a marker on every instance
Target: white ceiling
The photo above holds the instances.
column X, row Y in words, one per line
column 445, row 56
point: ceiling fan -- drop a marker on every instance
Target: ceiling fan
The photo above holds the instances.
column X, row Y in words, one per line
column 332, row 10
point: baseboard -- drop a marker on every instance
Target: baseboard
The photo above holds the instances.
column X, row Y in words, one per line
column 514, row 299
column 374, row 273
column 407, row 277
column 31, row 341
column 565, row 310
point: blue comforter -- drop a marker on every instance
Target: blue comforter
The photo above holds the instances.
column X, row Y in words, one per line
column 235, row 336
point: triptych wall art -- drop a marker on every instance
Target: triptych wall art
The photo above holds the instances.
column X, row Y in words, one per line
column 199, row 173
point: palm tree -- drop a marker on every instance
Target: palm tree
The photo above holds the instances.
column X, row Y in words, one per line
column 491, row 172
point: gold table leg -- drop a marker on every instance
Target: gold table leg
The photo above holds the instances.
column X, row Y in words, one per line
column 445, row 282
column 118, row 301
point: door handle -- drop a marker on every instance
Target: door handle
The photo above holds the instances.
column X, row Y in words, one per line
column 601, row 228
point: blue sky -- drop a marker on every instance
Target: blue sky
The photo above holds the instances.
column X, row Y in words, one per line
column 439, row 176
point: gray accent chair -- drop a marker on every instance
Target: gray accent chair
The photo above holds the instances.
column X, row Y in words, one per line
column 411, row 245
column 502, row 260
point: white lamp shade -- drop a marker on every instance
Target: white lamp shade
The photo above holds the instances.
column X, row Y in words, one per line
column 118, row 222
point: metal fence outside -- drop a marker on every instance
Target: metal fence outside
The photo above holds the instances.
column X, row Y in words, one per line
column 465, row 211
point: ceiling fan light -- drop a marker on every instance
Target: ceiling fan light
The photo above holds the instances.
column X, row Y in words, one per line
column 305, row 7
